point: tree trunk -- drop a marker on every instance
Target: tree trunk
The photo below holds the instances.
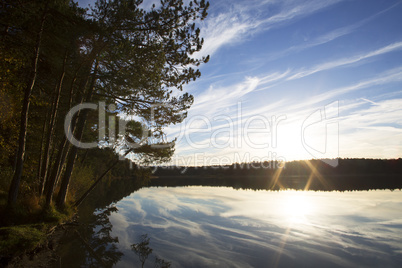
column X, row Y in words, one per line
column 51, row 182
column 54, row 175
column 41, row 146
column 61, row 198
column 14, row 187
column 57, row 167
column 45, row 162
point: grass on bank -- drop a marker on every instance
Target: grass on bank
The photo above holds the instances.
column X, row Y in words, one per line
column 26, row 227
column 15, row 240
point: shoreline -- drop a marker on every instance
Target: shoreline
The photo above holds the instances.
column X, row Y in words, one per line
column 45, row 253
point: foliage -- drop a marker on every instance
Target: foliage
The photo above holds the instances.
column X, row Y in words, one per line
column 82, row 178
column 55, row 55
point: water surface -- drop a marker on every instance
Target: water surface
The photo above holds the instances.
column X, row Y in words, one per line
column 200, row 226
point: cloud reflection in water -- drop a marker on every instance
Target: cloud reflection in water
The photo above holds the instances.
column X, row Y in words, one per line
column 223, row 227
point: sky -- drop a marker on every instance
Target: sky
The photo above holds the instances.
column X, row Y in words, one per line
column 290, row 80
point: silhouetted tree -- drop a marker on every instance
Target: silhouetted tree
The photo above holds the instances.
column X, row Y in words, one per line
column 142, row 249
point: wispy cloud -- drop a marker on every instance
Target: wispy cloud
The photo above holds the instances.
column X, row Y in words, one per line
column 389, row 76
column 222, row 30
column 224, row 96
column 241, row 21
column 329, row 36
column 346, row 61
column 267, row 80
column 290, row 11
column 374, row 131
column 229, row 95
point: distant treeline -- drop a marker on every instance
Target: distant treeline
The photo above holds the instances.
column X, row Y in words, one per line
column 294, row 168
column 350, row 174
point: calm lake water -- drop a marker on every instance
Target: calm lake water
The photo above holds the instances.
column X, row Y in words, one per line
column 200, row 226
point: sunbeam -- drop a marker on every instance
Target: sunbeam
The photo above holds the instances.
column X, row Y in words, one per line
column 315, row 174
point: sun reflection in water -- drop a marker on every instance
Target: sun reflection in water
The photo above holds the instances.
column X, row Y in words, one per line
column 297, row 207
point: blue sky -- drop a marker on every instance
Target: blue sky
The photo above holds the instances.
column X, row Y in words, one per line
column 294, row 80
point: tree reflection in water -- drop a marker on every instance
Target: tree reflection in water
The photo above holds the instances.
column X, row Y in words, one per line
column 91, row 244
column 104, row 249
column 143, row 250
column 161, row 263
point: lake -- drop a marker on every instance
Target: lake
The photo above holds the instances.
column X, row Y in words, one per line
column 205, row 226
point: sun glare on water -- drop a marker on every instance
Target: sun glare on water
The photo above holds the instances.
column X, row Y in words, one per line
column 297, row 206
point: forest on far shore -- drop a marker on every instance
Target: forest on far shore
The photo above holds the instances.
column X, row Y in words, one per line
column 348, row 175
column 345, row 166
